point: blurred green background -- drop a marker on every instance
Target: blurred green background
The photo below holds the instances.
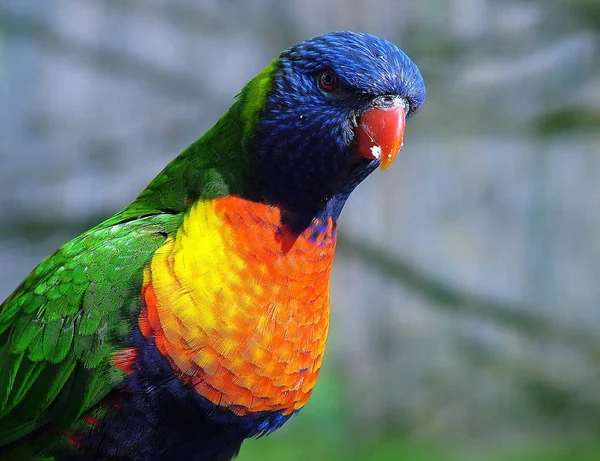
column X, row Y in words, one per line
column 465, row 298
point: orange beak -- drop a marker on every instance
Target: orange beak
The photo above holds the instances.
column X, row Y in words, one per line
column 380, row 132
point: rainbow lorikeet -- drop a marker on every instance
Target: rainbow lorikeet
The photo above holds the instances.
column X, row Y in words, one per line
column 197, row 316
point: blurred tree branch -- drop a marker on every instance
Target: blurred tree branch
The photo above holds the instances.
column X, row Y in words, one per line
column 518, row 317
column 549, row 390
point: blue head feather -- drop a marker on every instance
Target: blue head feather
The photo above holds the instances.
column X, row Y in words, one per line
column 306, row 158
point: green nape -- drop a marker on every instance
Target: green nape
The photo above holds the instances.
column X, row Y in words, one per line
column 255, row 95
column 217, row 164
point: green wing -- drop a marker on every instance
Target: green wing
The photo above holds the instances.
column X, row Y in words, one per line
column 59, row 327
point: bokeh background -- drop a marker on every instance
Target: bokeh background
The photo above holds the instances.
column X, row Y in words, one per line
column 466, row 291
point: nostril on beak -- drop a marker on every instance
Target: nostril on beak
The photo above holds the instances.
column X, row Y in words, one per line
column 388, row 100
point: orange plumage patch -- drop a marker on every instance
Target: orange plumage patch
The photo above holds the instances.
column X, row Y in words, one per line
column 240, row 305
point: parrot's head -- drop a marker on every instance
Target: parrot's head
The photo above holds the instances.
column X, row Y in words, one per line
column 334, row 110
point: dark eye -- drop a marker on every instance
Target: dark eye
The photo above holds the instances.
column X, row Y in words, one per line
column 328, row 80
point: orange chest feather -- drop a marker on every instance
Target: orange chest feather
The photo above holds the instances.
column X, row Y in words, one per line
column 240, row 306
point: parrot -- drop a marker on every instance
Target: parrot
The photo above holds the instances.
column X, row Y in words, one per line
column 197, row 316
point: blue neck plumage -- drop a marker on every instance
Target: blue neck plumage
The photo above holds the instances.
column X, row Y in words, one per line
column 314, row 211
column 310, row 175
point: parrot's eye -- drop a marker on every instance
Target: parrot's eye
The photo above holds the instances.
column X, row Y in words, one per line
column 328, row 80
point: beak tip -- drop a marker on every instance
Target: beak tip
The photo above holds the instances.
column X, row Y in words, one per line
column 386, row 161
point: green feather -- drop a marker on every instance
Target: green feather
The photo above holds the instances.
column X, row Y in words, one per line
column 7, row 315
column 55, row 361
column 8, row 373
column 25, row 330
column 36, row 351
column 92, row 313
column 46, row 387
column 74, row 398
column 26, row 376
column 33, row 303
column 58, row 337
